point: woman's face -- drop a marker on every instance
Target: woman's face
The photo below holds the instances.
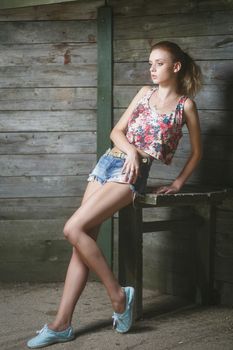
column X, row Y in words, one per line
column 162, row 67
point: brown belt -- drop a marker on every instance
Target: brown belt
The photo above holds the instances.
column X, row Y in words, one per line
column 119, row 154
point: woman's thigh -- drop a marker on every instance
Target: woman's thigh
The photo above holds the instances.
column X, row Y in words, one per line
column 91, row 188
column 100, row 205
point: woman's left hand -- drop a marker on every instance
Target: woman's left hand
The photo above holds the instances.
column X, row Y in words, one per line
column 130, row 168
column 166, row 189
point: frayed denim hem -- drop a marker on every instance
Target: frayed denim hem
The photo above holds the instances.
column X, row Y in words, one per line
column 96, row 178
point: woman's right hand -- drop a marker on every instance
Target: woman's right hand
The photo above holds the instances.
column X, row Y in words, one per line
column 131, row 166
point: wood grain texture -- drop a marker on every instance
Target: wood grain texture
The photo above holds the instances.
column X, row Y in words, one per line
column 37, row 208
column 138, row 50
column 192, row 24
column 60, row 121
column 47, row 55
column 48, row 165
column 78, row 10
column 32, row 32
column 149, row 7
column 52, row 142
column 42, row 186
column 65, row 98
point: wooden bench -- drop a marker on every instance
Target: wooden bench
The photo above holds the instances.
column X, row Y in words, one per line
column 132, row 227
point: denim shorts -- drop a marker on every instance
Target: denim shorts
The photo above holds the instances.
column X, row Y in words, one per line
column 109, row 169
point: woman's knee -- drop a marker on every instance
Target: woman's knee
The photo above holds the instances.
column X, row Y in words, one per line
column 71, row 232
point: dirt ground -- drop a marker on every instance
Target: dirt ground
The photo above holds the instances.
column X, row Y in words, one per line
column 168, row 323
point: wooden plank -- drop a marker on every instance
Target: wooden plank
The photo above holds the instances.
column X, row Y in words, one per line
column 48, row 32
column 184, row 198
column 71, row 76
column 42, row 186
column 13, row 209
column 225, row 222
column 60, row 121
column 6, row 4
column 46, row 76
column 207, row 173
column 41, row 271
column 149, row 7
column 169, row 252
column 210, row 47
column 49, row 55
column 215, row 147
column 47, row 165
column 36, row 251
column 165, row 225
column 225, row 290
column 76, row 10
column 28, row 230
column 47, row 99
column 168, row 282
column 214, row 72
column 147, row 27
column 210, row 97
column 51, row 142
column 224, row 268
column 104, row 109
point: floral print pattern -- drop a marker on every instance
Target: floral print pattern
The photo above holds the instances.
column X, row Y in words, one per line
column 154, row 133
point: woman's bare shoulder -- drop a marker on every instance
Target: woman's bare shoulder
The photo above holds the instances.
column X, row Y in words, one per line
column 146, row 88
column 189, row 105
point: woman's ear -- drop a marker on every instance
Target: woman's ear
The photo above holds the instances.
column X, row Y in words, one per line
column 177, row 67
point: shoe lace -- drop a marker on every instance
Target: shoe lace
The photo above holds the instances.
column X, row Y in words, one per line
column 41, row 330
column 115, row 318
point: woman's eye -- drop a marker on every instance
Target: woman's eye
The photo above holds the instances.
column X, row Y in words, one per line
column 160, row 64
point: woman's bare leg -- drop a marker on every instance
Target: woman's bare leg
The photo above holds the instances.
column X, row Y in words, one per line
column 100, row 206
column 76, row 276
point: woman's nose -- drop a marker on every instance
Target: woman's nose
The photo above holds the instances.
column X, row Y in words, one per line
column 153, row 68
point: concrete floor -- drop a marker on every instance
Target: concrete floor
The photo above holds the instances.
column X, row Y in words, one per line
column 168, row 323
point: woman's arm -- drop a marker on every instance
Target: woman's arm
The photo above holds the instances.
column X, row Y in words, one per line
column 192, row 121
column 131, row 165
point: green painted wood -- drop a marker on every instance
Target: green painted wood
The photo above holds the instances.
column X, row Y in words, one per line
column 104, row 109
column 7, row 4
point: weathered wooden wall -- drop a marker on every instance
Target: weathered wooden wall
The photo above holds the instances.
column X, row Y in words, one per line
column 48, row 127
column 48, row 72
column 204, row 29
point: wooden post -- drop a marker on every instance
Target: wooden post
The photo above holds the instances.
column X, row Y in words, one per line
column 205, row 250
column 104, row 109
column 130, row 252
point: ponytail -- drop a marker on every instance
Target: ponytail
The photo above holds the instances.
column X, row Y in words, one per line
column 190, row 76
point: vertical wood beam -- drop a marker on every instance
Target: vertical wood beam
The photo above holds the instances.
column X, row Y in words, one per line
column 104, row 109
column 130, row 252
column 205, row 250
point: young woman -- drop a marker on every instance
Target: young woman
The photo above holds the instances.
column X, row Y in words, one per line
column 149, row 129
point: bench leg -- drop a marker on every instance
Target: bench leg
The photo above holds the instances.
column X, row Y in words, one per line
column 130, row 253
column 205, row 249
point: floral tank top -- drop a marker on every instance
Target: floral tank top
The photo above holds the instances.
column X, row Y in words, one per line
column 154, row 133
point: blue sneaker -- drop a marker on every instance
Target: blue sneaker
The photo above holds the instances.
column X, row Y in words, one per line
column 47, row 336
column 123, row 322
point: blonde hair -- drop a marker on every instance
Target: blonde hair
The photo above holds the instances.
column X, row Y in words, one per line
column 190, row 76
